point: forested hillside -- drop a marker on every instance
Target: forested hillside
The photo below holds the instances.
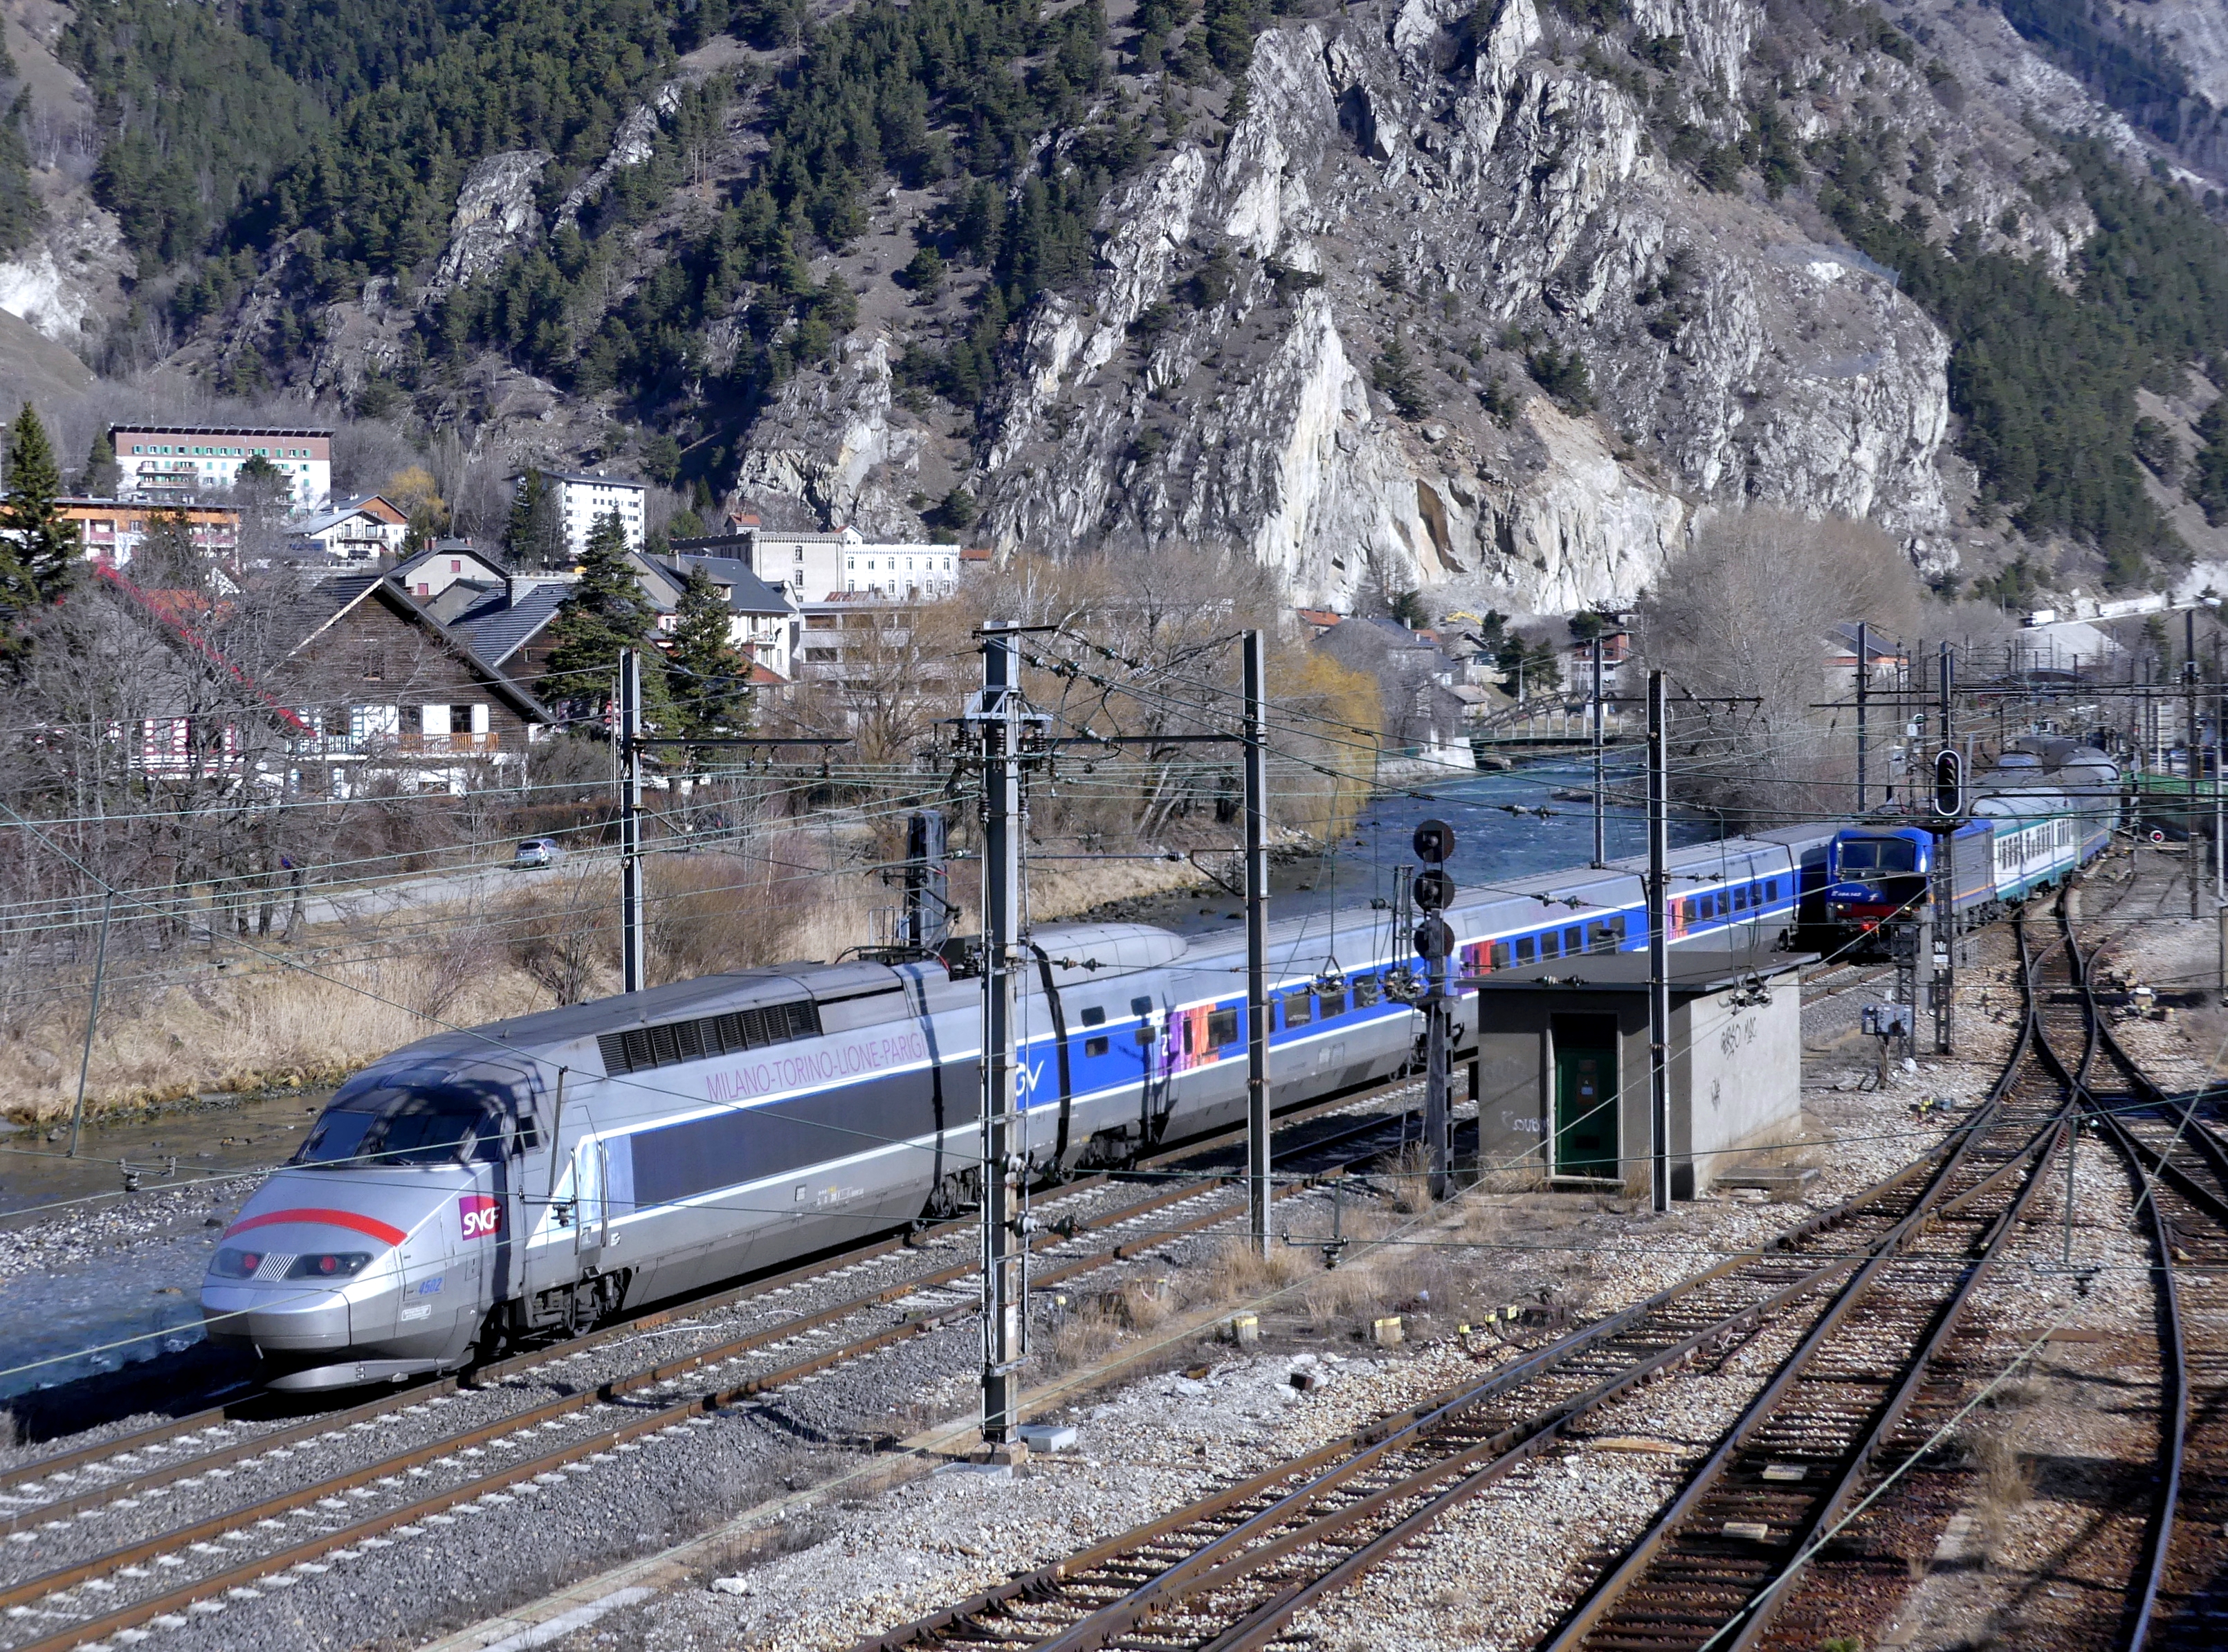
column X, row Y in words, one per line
column 710, row 207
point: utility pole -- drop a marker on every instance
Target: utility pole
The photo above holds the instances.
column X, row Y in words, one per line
column 1945, row 878
column 1005, row 1283
column 927, row 882
column 2189, row 759
column 93, row 1017
column 1434, row 843
column 1601, row 825
column 1257, row 942
column 2219, row 838
column 1864, row 685
column 632, row 918
column 1659, row 948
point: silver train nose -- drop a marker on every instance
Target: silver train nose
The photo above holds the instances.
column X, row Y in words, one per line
column 280, row 1317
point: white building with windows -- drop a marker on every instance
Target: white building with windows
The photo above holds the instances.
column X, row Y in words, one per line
column 820, row 567
column 177, row 464
column 585, row 497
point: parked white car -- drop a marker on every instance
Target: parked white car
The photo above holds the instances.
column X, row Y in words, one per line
column 536, row 852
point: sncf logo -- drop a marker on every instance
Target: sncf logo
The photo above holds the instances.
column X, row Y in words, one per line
column 482, row 1216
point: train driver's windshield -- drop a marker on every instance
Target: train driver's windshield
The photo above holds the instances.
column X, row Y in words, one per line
column 381, row 1124
column 1870, row 857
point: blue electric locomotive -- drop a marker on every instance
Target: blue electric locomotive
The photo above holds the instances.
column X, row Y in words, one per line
column 2037, row 818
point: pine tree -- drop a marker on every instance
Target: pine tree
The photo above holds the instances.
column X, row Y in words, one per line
column 606, row 611
column 22, row 214
column 708, row 670
column 41, row 546
column 103, row 475
column 531, row 534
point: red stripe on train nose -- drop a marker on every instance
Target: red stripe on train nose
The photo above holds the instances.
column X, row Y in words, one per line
column 348, row 1218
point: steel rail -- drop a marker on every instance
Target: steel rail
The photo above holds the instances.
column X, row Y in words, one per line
column 673, row 1414
column 230, row 1414
column 1611, row 1590
column 2173, row 1346
column 1269, row 1533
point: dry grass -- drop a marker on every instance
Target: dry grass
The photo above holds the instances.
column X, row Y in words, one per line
column 1235, row 1273
column 235, row 1023
column 2007, row 1477
column 1410, row 1177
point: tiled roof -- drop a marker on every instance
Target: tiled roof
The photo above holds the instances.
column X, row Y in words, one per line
column 588, row 478
column 450, row 548
column 746, row 592
column 499, row 628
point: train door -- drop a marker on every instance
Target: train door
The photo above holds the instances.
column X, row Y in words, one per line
column 591, row 1207
column 1585, row 1096
column 1156, row 1091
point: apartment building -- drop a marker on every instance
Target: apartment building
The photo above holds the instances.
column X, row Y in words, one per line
column 179, row 463
column 585, row 498
column 818, row 567
column 112, row 529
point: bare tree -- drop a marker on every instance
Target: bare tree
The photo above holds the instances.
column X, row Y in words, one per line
column 1744, row 622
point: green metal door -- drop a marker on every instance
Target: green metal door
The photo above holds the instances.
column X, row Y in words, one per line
column 1585, row 1096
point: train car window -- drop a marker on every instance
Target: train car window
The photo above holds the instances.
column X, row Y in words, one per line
column 1365, row 991
column 1222, row 1027
column 1299, row 1009
column 1144, row 1037
column 692, row 1041
column 1094, row 1016
column 1525, row 952
column 1499, row 956
column 1141, row 1006
column 1772, row 888
column 435, row 1134
column 1330, row 1004
column 1095, row 1046
column 1551, row 945
column 1617, row 928
column 336, row 1136
column 1574, row 940
column 1185, row 1025
column 1599, row 939
column 1741, row 899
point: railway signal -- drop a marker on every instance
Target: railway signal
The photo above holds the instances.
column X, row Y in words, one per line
column 1948, row 783
column 1434, row 890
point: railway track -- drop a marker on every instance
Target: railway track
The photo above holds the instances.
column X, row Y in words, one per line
column 1232, row 1570
column 116, row 1589
column 64, row 1482
column 2178, row 1594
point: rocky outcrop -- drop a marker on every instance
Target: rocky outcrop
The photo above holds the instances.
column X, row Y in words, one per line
column 69, row 276
column 634, row 142
column 1372, row 199
column 829, row 444
column 494, row 214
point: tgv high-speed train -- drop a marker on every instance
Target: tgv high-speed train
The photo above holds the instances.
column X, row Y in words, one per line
column 2043, row 812
column 545, row 1171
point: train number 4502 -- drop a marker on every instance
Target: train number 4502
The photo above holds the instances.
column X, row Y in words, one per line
column 482, row 1214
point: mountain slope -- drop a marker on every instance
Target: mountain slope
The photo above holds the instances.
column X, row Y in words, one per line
column 1493, row 298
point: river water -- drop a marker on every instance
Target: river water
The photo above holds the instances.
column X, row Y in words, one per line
column 118, row 1289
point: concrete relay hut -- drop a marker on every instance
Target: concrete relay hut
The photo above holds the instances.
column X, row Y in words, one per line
column 1561, row 1072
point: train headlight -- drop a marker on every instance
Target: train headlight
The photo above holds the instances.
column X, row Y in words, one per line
column 329, row 1264
column 237, row 1265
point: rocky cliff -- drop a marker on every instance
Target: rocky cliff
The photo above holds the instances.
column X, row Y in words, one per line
column 1474, row 206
